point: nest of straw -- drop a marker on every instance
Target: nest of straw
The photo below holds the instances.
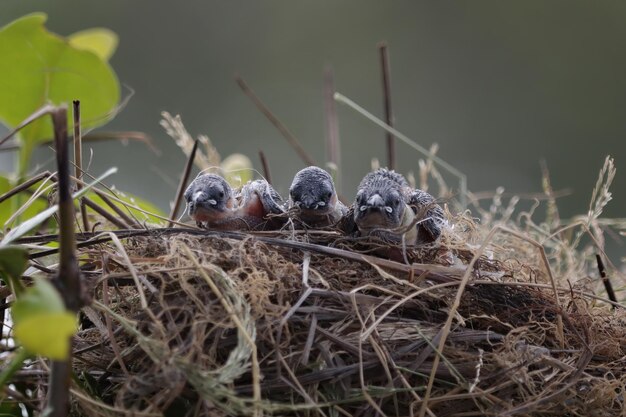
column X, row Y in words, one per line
column 195, row 323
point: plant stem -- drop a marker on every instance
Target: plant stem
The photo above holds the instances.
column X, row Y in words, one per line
column 295, row 144
column 266, row 167
column 386, row 73
column 68, row 277
column 183, row 182
column 78, row 160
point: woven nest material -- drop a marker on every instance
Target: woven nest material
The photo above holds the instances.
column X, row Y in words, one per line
column 305, row 324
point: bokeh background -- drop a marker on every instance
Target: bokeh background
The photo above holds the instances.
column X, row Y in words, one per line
column 498, row 85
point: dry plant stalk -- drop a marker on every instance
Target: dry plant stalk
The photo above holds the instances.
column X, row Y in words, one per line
column 205, row 159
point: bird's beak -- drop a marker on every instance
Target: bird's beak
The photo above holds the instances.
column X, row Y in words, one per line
column 376, row 201
column 309, row 203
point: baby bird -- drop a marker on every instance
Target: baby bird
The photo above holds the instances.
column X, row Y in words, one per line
column 212, row 203
column 313, row 199
column 385, row 204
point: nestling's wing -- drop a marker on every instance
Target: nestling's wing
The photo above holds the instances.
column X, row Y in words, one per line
column 272, row 201
column 429, row 213
column 347, row 224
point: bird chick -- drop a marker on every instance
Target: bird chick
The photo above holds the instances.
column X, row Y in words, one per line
column 210, row 200
column 385, row 204
column 313, row 199
column 212, row 203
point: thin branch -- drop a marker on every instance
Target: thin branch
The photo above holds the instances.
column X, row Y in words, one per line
column 78, row 160
column 386, row 74
column 605, row 280
column 266, row 167
column 42, row 111
column 293, row 141
column 114, row 220
column 330, row 112
column 24, row 186
column 452, row 170
column 96, row 137
column 78, row 146
column 183, row 182
column 68, row 277
column 123, row 216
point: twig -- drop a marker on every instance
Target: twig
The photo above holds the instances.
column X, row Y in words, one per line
column 386, row 73
column 78, row 160
column 24, row 186
column 117, row 222
column 42, row 111
column 295, row 144
column 183, row 182
column 452, row 170
column 266, row 167
column 68, row 276
column 605, row 280
column 330, row 112
column 123, row 136
column 68, row 266
column 125, row 218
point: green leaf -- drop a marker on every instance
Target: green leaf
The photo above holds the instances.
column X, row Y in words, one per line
column 10, row 409
column 100, row 41
column 39, row 67
column 47, row 334
column 40, row 299
column 42, row 324
column 35, row 221
column 13, row 260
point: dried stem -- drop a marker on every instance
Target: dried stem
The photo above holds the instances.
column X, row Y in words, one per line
column 446, row 166
column 183, row 182
column 78, row 160
column 114, row 220
column 293, row 141
column 266, row 167
column 330, row 112
column 123, row 216
column 386, row 73
column 605, row 280
column 34, row 116
column 68, row 277
column 24, row 186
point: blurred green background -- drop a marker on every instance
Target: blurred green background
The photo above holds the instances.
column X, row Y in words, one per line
column 498, row 85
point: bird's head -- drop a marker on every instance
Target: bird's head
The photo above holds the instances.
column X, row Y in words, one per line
column 209, row 198
column 313, row 192
column 378, row 207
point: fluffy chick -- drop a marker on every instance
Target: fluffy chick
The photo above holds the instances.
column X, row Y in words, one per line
column 212, row 203
column 385, row 205
column 313, row 199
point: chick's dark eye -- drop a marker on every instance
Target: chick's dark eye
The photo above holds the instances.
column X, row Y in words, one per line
column 329, row 195
column 221, row 194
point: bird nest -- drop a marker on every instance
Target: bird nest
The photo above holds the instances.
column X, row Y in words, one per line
column 186, row 322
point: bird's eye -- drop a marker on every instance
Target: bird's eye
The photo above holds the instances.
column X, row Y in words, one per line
column 329, row 195
column 221, row 194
